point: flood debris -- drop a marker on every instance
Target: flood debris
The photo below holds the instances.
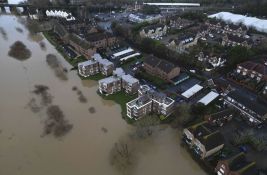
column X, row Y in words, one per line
column 56, row 124
column 20, row 30
column 19, row 51
column 3, row 33
column 46, row 97
column 92, row 110
column 55, row 64
column 105, row 130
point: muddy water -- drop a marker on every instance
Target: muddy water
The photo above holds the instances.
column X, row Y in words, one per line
column 85, row 150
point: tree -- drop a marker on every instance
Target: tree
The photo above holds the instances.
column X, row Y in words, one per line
column 182, row 115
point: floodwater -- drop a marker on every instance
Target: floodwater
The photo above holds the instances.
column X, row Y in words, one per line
column 86, row 148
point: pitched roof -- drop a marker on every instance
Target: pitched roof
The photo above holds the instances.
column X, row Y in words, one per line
column 249, row 103
column 259, row 66
column 165, row 66
column 152, row 61
column 79, row 41
column 95, row 37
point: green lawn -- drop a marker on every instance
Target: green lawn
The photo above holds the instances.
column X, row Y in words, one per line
column 96, row 77
column 120, row 98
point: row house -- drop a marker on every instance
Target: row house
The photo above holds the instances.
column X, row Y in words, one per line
column 254, row 70
column 233, row 40
column 182, row 43
column 81, row 46
column 84, row 26
column 203, row 139
column 101, row 40
column 60, row 30
column 235, row 30
column 179, row 23
column 231, row 29
column 118, row 82
column 236, row 164
column 149, row 102
column 254, row 111
column 161, row 68
column 95, row 65
column 153, row 31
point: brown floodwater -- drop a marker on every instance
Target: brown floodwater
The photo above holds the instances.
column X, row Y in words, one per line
column 86, row 148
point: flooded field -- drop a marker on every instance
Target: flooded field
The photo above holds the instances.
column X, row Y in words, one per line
column 96, row 125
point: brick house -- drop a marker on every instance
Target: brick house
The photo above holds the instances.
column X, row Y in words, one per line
column 81, row 46
column 203, row 139
column 254, row 70
column 101, row 40
column 161, row 68
column 88, row 68
column 154, row 31
column 182, row 43
column 236, row 165
column 253, row 110
column 233, row 40
column 179, row 23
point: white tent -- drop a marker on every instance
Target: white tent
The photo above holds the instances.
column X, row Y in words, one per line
column 258, row 24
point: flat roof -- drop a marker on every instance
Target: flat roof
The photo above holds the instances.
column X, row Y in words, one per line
column 130, row 56
column 192, row 91
column 174, row 4
column 208, row 98
column 122, row 52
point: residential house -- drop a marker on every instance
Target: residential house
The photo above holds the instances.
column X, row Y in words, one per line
column 148, row 102
column 236, row 30
column 183, row 42
column 139, row 107
column 81, row 46
column 95, row 65
column 106, row 67
column 161, row 68
column 118, row 82
column 88, row 68
column 110, row 85
column 130, row 84
column 253, row 69
column 236, row 165
column 215, row 25
column 101, row 40
column 60, row 31
column 253, row 110
column 203, row 139
column 233, row 40
column 154, row 31
column 179, row 23
column 78, row 25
